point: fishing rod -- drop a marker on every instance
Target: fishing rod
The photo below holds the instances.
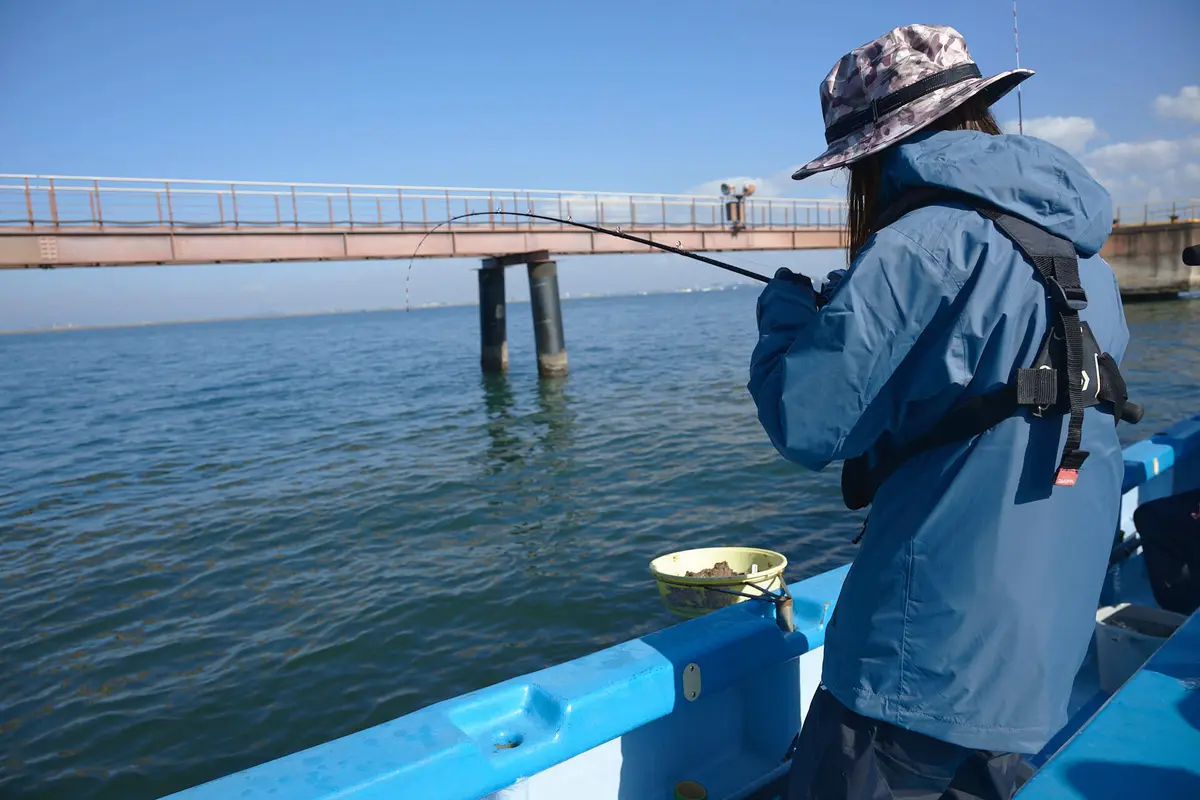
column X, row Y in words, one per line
column 596, row 228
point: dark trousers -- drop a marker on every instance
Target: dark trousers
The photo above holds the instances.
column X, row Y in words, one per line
column 842, row 755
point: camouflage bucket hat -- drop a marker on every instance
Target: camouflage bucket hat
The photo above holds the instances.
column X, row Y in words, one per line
column 893, row 87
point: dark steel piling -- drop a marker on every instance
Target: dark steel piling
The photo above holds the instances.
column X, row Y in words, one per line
column 547, row 319
column 493, row 327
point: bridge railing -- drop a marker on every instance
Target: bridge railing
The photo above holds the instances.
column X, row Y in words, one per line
column 72, row 202
column 1163, row 212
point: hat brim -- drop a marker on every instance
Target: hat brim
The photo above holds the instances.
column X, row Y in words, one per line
column 909, row 119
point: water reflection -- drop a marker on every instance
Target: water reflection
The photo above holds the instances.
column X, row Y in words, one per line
column 556, row 419
column 504, row 446
column 541, row 438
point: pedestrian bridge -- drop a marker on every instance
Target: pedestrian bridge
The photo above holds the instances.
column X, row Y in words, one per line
column 52, row 221
column 64, row 221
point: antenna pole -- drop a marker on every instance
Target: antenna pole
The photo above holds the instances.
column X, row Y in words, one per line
column 1017, row 50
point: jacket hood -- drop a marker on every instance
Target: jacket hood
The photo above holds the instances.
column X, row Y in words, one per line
column 1023, row 175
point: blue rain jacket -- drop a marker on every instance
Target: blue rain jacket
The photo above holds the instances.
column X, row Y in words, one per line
column 970, row 606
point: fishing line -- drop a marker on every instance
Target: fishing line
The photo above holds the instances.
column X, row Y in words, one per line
column 611, row 232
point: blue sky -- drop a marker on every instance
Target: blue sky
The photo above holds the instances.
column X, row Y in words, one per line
column 660, row 96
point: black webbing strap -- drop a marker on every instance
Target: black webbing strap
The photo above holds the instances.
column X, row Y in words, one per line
column 900, row 97
column 970, row 419
column 1033, row 387
column 1058, row 265
column 1037, row 387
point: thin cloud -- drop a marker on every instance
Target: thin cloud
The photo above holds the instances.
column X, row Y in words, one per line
column 763, row 186
column 1154, row 155
column 1151, row 171
column 1070, row 133
column 1185, row 105
column 824, row 186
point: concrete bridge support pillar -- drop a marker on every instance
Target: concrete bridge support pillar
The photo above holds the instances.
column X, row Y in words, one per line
column 547, row 319
column 493, row 327
column 1148, row 259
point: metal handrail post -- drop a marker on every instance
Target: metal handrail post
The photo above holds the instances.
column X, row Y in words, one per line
column 99, row 210
column 54, row 205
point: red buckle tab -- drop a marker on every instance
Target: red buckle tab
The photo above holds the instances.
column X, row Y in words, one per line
column 1066, row 477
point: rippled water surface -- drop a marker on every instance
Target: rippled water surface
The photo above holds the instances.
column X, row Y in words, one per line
column 225, row 542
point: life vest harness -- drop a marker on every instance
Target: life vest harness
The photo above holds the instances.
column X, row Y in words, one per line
column 1070, row 373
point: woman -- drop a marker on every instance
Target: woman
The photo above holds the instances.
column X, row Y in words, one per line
column 971, row 604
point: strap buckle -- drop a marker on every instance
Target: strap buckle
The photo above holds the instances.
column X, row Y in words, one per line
column 1073, row 299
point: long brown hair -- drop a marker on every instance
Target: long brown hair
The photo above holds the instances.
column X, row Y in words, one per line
column 866, row 175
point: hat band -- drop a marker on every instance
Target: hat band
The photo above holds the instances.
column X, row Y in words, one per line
column 903, row 96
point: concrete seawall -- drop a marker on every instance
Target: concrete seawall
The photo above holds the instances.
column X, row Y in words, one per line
column 1147, row 258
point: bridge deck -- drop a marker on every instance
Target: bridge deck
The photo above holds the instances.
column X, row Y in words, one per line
column 114, row 246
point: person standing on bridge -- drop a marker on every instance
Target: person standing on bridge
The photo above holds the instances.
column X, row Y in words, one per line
column 970, row 606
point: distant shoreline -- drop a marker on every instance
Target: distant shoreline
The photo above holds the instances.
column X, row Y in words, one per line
column 206, row 320
column 336, row 312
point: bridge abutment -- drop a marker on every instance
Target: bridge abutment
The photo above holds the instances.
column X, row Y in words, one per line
column 1147, row 259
